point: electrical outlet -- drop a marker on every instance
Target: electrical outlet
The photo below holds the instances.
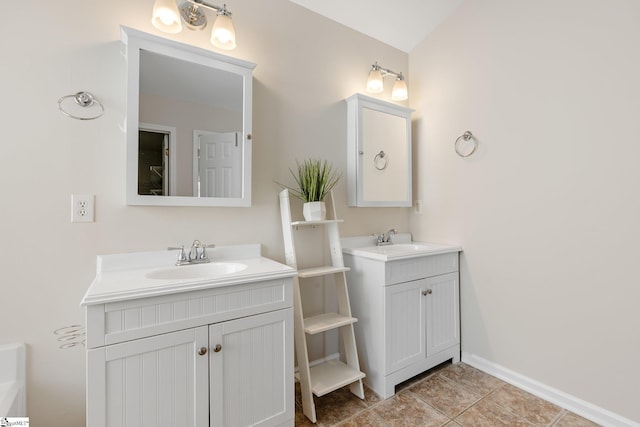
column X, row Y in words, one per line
column 417, row 209
column 82, row 208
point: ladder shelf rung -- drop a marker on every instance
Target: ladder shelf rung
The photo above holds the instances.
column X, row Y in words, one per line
column 312, row 223
column 332, row 375
column 326, row 322
column 321, row 271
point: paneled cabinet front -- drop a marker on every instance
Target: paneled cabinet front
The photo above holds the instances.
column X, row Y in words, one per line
column 237, row 372
column 422, row 320
column 154, row 381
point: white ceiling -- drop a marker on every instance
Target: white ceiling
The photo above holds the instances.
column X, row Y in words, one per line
column 399, row 23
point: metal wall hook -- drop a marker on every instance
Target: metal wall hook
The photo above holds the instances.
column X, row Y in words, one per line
column 465, row 137
column 85, row 100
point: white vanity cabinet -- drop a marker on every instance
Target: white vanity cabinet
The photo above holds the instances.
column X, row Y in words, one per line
column 408, row 311
column 213, row 355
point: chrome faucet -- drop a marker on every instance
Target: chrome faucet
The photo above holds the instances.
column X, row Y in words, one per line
column 385, row 238
column 197, row 254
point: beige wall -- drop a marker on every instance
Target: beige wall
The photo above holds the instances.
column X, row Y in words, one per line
column 547, row 210
column 307, row 65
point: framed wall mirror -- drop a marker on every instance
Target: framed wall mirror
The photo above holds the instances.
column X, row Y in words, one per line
column 188, row 124
column 378, row 153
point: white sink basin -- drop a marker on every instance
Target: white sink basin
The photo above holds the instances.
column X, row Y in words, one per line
column 197, row 271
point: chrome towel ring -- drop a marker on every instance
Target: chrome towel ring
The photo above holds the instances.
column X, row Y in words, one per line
column 84, row 100
column 380, row 161
column 463, row 149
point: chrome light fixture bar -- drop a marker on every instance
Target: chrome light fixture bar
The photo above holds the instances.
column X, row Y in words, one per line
column 375, row 82
column 167, row 17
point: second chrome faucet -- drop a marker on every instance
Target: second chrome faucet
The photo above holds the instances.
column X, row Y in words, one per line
column 384, row 239
column 197, row 254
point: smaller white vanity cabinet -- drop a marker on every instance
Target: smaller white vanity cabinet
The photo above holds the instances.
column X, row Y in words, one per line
column 182, row 350
column 406, row 297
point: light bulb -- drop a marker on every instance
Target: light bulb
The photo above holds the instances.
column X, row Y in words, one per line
column 399, row 92
column 165, row 16
column 223, row 35
column 374, row 82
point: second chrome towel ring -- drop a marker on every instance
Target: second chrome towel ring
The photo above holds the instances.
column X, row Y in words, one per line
column 380, row 161
column 84, row 100
column 466, row 144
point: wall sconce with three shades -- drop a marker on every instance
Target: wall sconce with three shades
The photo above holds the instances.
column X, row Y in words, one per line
column 167, row 17
column 375, row 82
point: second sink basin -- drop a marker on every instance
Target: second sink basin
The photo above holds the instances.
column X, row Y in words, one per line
column 198, row 271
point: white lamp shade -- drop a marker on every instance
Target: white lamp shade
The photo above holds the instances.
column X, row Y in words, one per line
column 374, row 82
column 166, row 17
column 223, row 35
column 399, row 92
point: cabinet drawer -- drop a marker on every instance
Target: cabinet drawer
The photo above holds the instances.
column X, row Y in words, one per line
column 404, row 270
column 123, row 321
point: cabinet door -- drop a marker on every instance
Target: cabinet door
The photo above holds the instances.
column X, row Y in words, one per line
column 156, row 381
column 378, row 152
column 252, row 371
column 443, row 316
column 404, row 325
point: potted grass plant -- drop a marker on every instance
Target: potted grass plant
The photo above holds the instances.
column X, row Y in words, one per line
column 314, row 180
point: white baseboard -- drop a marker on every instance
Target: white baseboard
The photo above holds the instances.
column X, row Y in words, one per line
column 560, row 398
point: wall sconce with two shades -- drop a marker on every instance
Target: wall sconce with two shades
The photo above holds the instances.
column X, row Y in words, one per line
column 375, row 82
column 168, row 18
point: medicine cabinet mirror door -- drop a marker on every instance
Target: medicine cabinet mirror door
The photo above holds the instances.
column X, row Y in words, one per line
column 188, row 124
column 379, row 153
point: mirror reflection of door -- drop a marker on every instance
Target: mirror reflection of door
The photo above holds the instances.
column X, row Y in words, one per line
column 153, row 160
column 218, row 157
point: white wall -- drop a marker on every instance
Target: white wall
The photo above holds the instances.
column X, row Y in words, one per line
column 547, row 209
column 307, row 65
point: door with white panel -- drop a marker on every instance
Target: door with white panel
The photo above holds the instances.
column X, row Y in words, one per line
column 219, row 164
column 405, row 325
column 150, row 382
column 251, row 381
column 442, row 306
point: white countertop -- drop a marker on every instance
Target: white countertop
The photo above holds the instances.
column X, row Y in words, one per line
column 402, row 248
column 123, row 276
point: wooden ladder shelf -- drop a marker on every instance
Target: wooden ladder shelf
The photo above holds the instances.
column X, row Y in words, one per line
column 333, row 374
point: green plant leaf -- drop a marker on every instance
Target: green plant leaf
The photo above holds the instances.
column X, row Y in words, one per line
column 314, row 180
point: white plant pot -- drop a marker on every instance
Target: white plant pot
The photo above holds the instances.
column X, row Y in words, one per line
column 314, row 211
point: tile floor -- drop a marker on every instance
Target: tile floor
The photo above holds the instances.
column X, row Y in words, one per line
column 448, row 395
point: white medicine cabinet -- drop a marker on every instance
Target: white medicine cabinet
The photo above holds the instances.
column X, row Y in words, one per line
column 379, row 153
column 188, row 124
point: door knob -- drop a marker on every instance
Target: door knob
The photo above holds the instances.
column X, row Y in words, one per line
column 202, row 351
column 217, row 348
